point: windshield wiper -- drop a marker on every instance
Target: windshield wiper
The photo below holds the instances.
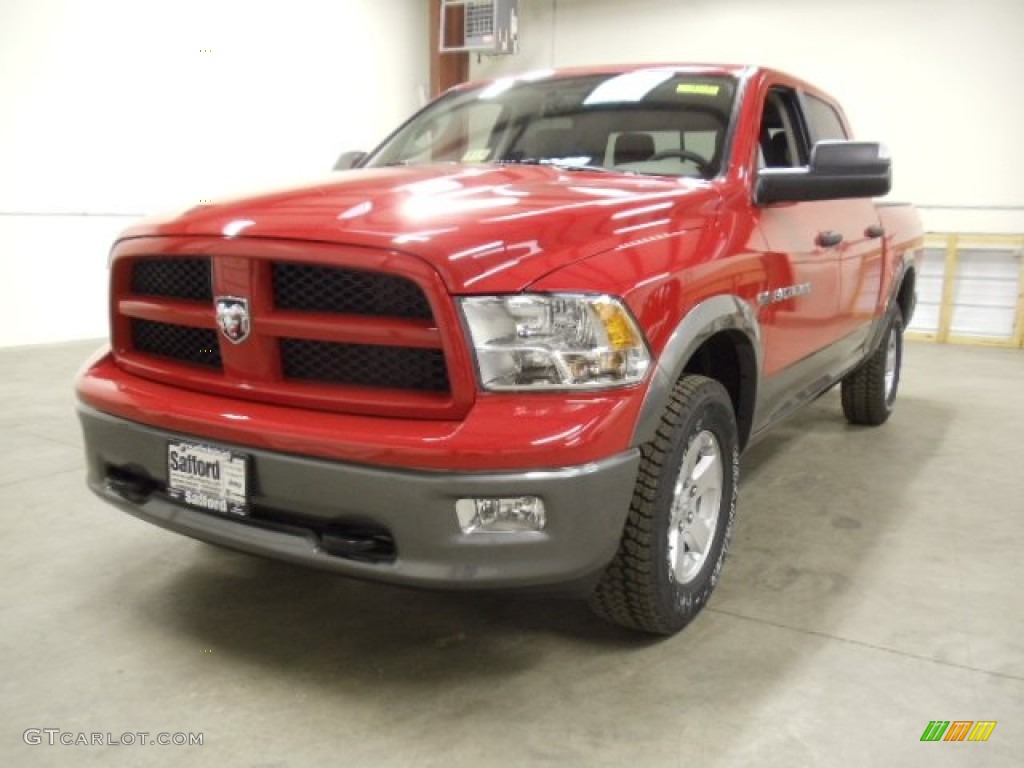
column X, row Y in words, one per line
column 586, row 167
column 562, row 165
column 409, row 163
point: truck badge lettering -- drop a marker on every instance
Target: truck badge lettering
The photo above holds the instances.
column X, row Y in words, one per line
column 783, row 294
column 233, row 318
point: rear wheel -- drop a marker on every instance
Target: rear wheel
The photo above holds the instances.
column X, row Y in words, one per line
column 869, row 392
column 680, row 520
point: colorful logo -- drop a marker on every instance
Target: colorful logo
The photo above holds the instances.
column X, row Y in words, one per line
column 958, row 730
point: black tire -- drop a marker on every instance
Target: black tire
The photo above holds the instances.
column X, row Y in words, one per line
column 868, row 394
column 640, row 588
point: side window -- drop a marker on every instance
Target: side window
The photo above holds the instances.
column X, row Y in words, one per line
column 781, row 139
column 822, row 119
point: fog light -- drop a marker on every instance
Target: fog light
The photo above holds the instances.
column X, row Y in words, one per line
column 516, row 515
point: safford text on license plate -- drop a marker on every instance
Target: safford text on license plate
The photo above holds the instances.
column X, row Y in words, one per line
column 207, row 477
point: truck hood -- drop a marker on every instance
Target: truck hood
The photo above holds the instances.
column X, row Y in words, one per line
column 483, row 228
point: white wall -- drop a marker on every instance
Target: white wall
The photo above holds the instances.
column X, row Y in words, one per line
column 114, row 108
column 936, row 80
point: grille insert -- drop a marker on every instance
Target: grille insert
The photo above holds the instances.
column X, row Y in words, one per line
column 198, row 346
column 173, row 278
column 313, row 288
column 363, row 365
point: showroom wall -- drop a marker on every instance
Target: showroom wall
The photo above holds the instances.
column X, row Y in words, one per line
column 937, row 80
column 110, row 109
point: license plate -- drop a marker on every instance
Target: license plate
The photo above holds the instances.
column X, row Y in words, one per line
column 206, row 477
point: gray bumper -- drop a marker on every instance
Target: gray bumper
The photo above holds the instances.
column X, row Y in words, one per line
column 300, row 504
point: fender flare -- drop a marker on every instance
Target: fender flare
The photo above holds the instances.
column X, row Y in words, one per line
column 895, row 288
column 713, row 315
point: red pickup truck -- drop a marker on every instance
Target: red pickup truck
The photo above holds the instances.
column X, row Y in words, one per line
column 520, row 344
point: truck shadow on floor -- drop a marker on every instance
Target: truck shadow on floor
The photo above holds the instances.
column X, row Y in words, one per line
column 816, row 497
column 819, row 500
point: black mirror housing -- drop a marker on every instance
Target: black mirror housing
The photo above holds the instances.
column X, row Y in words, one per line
column 837, row 169
column 349, row 160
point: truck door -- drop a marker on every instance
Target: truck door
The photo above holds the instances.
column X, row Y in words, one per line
column 799, row 304
column 857, row 227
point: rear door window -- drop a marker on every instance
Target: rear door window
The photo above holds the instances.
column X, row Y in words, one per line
column 823, row 120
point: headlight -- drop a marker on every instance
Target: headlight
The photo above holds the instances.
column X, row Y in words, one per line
column 554, row 341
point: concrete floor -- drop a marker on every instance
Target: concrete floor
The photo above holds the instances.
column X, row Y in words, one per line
column 874, row 585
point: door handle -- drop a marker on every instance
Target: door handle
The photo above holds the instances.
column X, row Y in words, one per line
column 828, row 239
column 874, row 231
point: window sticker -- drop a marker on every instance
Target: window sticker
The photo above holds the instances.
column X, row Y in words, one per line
column 700, row 89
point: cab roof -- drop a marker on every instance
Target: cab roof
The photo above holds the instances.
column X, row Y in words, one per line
column 732, row 70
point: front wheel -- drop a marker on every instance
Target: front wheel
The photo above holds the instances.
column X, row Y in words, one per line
column 681, row 516
column 869, row 391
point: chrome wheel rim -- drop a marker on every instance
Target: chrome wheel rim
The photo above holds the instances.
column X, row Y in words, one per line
column 695, row 505
column 890, row 363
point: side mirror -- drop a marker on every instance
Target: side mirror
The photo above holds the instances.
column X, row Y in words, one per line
column 349, row 160
column 838, row 169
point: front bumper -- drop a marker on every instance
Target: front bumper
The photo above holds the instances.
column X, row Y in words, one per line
column 299, row 504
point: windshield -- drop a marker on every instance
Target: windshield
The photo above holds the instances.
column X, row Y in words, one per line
column 657, row 121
